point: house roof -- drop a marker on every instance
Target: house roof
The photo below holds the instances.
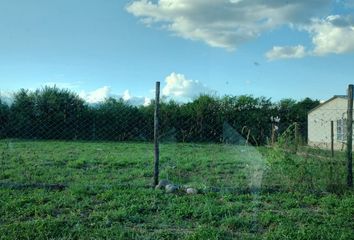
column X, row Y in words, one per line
column 334, row 97
column 341, row 96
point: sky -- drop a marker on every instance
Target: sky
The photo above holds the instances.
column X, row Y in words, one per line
column 116, row 48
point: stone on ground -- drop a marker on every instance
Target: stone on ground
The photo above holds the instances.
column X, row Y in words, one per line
column 171, row 188
column 162, row 184
column 191, row 191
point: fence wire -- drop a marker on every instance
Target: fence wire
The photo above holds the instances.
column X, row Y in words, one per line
column 91, row 166
column 207, row 143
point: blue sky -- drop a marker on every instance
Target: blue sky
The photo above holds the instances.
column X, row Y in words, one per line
column 101, row 48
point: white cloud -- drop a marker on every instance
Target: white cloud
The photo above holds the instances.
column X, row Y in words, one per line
column 335, row 34
column 96, row 96
column 101, row 94
column 134, row 100
column 147, row 101
column 6, row 97
column 126, row 95
column 229, row 23
column 179, row 87
column 225, row 23
column 286, row 52
column 92, row 97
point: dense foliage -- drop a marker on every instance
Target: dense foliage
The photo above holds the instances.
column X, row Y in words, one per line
column 53, row 113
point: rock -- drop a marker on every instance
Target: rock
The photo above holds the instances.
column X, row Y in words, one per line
column 162, row 184
column 171, row 188
column 191, row 191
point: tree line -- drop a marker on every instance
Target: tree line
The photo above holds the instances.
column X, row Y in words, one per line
column 53, row 113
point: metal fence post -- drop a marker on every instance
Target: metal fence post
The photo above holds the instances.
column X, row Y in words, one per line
column 156, row 134
column 350, row 136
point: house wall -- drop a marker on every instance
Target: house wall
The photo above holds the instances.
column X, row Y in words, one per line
column 319, row 123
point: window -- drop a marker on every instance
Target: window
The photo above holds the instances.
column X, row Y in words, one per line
column 341, row 129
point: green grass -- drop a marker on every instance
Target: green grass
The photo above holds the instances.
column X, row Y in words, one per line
column 80, row 190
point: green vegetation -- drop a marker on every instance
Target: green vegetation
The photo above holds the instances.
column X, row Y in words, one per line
column 57, row 114
column 87, row 190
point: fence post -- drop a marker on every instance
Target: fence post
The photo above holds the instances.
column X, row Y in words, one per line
column 332, row 139
column 273, row 134
column 94, row 128
column 331, row 161
column 350, row 136
column 156, row 134
column 296, row 137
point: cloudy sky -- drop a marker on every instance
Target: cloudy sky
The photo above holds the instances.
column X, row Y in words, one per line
column 101, row 48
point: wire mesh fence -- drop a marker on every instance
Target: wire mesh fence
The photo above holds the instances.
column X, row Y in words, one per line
column 91, row 166
column 57, row 114
column 208, row 143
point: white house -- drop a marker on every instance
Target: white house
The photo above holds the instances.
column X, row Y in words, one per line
column 319, row 123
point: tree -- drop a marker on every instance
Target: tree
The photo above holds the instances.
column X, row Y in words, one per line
column 4, row 118
column 59, row 113
column 23, row 122
column 53, row 113
column 249, row 116
column 291, row 111
column 117, row 120
column 202, row 119
column 48, row 113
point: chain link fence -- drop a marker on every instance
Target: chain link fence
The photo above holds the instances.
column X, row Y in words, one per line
column 53, row 130
column 208, row 143
column 70, row 167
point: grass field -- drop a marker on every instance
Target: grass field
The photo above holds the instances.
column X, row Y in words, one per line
column 80, row 190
